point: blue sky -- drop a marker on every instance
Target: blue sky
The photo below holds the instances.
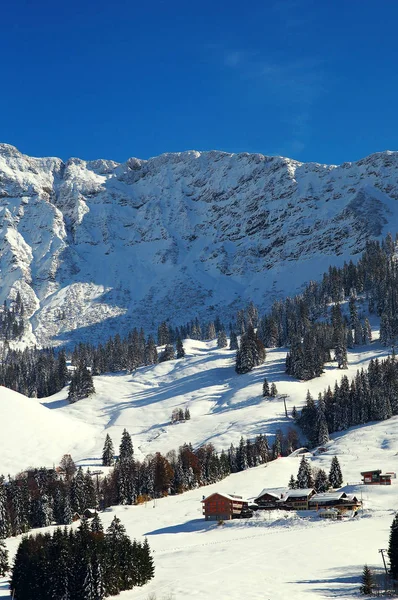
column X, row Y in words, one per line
column 306, row 79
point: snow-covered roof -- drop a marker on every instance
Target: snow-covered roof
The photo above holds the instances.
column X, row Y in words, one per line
column 232, row 497
column 269, row 492
column 328, row 496
column 296, row 494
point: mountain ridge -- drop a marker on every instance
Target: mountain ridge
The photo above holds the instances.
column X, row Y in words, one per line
column 96, row 246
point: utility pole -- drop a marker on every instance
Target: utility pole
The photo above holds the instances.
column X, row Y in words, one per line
column 284, row 396
column 382, row 550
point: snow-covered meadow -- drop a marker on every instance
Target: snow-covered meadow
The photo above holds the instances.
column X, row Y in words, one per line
column 271, row 556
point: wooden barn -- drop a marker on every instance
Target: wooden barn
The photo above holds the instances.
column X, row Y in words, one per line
column 376, row 477
column 224, row 507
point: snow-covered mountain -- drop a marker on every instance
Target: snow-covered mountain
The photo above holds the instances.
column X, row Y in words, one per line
column 96, row 246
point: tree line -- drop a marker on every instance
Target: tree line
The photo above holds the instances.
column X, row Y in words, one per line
column 86, row 564
column 371, row 396
column 40, row 497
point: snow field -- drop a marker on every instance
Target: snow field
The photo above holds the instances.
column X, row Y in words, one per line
column 272, row 556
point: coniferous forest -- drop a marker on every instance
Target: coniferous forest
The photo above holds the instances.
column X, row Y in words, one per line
column 85, row 564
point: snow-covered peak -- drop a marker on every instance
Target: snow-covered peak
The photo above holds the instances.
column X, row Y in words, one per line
column 97, row 246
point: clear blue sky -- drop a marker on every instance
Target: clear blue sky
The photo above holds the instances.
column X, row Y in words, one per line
column 314, row 80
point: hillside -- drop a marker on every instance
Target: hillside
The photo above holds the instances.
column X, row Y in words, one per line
column 275, row 556
column 33, row 435
column 85, row 242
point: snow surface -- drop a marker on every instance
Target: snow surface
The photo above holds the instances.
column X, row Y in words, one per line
column 272, row 556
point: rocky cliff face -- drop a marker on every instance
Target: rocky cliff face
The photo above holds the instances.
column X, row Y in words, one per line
column 96, row 246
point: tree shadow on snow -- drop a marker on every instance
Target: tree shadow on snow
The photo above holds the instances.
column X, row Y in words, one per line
column 196, row 525
column 344, row 584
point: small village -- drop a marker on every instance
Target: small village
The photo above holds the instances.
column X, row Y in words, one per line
column 333, row 504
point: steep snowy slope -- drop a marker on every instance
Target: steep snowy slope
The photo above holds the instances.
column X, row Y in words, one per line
column 223, row 406
column 32, row 435
column 95, row 246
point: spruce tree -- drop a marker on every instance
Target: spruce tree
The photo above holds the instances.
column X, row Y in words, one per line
column 335, row 475
column 266, row 390
column 367, row 581
column 393, row 548
column 292, row 485
column 321, row 483
column 126, row 451
column 108, row 452
column 180, row 348
column 222, row 341
column 304, row 475
column 233, row 341
column 273, row 390
column 4, row 565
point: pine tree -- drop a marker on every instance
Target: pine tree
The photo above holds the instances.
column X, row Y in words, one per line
column 292, row 485
column 180, row 348
column 304, row 475
column 96, row 525
column 335, row 475
column 393, row 548
column 273, row 390
column 266, row 390
column 187, row 414
column 321, row 483
column 126, row 451
column 367, row 581
column 81, row 385
column 167, row 354
column 108, row 452
column 4, row 565
column 233, row 341
column 222, row 341
column 147, row 566
column 5, row 525
column 241, row 456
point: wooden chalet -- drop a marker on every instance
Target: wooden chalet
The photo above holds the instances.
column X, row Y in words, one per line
column 224, row 507
column 376, row 477
column 340, row 501
column 267, row 500
column 296, row 499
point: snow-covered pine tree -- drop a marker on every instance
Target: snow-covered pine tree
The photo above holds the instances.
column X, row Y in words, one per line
column 108, row 452
column 304, row 475
column 81, row 385
column 335, row 475
column 266, row 390
column 292, row 485
column 4, row 564
column 241, row 457
column 321, row 483
column 96, row 525
column 273, row 390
